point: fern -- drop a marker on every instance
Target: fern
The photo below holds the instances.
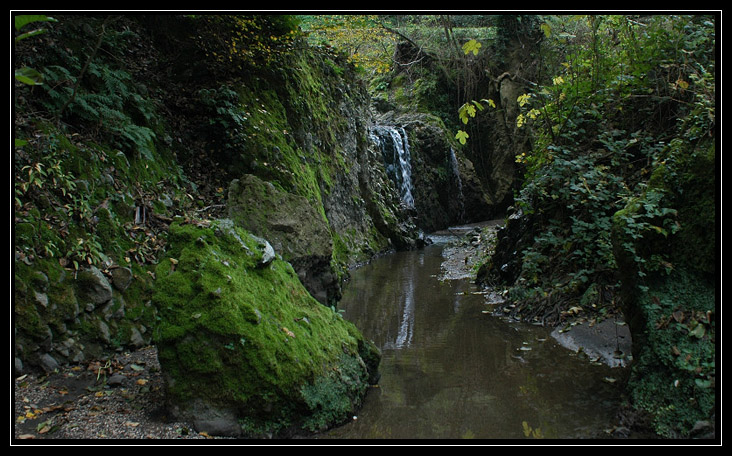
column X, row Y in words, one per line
column 108, row 100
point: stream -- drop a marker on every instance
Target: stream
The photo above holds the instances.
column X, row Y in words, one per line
column 451, row 370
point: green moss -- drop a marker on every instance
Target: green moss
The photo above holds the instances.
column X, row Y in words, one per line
column 671, row 309
column 26, row 317
column 253, row 336
column 675, row 371
column 330, row 395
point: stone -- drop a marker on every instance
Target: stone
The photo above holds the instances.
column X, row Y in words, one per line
column 215, row 421
column 608, row 341
column 136, row 338
column 121, row 278
column 292, row 226
column 48, row 363
column 104, row 332
column 93, row 287
column 260, row 356
column 116, row 380
column 41, row 298
column 268, row 253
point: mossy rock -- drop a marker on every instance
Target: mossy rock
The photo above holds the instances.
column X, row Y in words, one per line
column 674, row 373
column 295, row 228
column 244, row 348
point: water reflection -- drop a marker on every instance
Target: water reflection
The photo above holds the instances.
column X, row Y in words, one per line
column 406, row 327
column 450, row 371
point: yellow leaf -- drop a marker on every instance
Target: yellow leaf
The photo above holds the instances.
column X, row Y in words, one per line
column 523, row 99
column 461, row 136
column 471, row 46
column 527, row 429
column 546, row 29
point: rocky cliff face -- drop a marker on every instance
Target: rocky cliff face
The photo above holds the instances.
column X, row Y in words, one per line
column 292, row 137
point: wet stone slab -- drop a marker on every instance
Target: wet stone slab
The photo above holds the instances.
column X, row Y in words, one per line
column 608, row 341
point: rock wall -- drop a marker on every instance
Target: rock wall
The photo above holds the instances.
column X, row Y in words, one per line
column 314, row 185
column 299, row 129
column 294, row 228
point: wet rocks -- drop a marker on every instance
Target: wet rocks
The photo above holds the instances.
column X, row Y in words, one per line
column 445, row 187
column 608, row 341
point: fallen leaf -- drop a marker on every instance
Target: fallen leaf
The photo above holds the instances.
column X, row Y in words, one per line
column 678, row 316
column 44, row 427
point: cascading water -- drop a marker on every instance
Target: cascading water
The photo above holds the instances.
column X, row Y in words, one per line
column 458, row 183
column 394, row 146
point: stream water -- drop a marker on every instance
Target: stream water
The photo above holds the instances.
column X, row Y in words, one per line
column 449, row 370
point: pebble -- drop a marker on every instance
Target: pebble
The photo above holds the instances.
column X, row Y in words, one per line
column 117, row 398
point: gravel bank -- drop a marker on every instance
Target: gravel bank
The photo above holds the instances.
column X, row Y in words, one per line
column 118, row 398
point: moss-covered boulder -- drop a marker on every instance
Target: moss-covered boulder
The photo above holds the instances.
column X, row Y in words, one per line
column 244, row 348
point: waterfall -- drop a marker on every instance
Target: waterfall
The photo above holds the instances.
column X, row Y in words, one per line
column 394, row 146
column 458, row 182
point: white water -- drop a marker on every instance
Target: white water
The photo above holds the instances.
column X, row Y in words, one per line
column 459, row 185
column 394, row 146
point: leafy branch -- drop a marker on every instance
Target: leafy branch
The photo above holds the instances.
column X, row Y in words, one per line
column 83, row 70
column 28, row 75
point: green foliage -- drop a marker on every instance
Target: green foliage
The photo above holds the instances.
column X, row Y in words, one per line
column 27, row 75
column 678, row 368
column 238, row 42
column 360, row 37
column 620, row 187
column 471, row 46
column 226, row 120
column 84, row 83
column 593, row 163
column 109, row 98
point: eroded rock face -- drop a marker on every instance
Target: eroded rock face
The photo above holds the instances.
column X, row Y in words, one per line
column 446, row 189
column 244, row 348
column 294, row 228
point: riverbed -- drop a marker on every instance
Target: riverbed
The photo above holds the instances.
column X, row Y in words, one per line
column 451, row 369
